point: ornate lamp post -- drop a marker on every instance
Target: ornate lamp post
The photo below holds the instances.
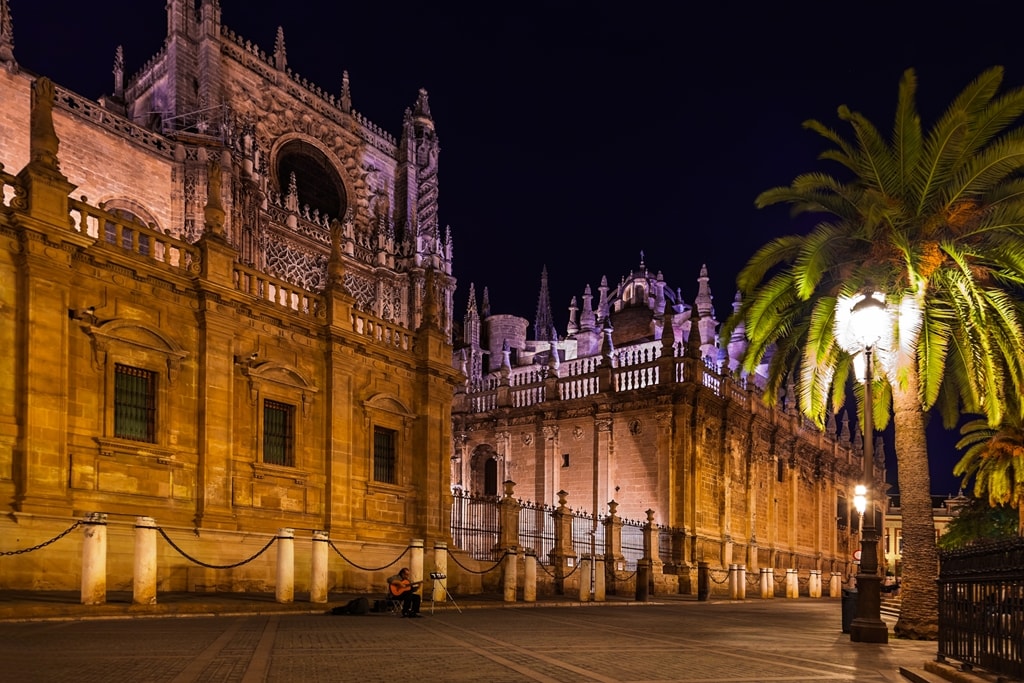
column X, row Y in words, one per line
column 867, row 322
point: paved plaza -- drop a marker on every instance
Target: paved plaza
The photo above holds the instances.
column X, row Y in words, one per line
column 682, row 640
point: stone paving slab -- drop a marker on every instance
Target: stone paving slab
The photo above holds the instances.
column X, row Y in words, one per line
column 680, row 640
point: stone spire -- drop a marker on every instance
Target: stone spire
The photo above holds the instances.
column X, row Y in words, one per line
column 280, row 56
column 693, row 338
column 213, row 212
column 346, row 94
column 485, row 305
column 572, row 328
column 43, row 141
column 119, row 72
column 6, row 35
column 587, row 320
column 602, row 302
column 430, row 317
column 737, row 342
column 335, row 263
column 703, row 301
column 471, row 323
column 543, row 323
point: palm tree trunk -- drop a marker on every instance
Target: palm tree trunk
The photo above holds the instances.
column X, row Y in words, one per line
column 919, row 613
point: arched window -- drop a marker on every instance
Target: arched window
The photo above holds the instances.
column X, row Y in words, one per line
column 491, row 477
column 316, row 181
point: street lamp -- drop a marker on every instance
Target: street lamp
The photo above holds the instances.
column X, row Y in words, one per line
column 866, row 324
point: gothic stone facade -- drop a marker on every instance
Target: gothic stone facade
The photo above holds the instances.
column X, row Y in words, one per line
column 616, row 409
column 225, row 305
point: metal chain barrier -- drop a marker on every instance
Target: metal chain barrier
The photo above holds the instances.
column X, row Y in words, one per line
column 711, row 575
column 44, row 543
column 781, row 579
column 753, row 580
column 545, row 568
column 455, row 559
column 368, row 569
column 215, row 566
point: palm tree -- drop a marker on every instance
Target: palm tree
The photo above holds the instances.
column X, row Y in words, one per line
column 994, row 457
column 934, row 219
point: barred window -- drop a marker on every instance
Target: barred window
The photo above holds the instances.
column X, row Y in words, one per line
column 134, row 404
column 384, row 455
column 278, row 425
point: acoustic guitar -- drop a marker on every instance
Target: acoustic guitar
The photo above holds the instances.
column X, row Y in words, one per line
column 404, row 586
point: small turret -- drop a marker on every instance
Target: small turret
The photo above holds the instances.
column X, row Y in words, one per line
column 543, row 323
column 280, row 55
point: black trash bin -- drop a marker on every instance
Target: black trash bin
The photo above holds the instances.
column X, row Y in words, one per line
column 849, row 608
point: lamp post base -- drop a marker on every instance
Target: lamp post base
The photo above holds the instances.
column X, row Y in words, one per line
column 867, row 626
column 869, row 631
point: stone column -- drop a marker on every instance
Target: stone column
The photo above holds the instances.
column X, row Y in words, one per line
column 835, row 585
column 767, row 583
column 585, row 565
column 510, row 579
column 509, row 517
column 318, row 570
column 651, row 550
column 792, row 583
column 733, row 577
column 599, row 592
column 438, row 594
column 94, row 559
column 144, row 575
column 613, row 559
column 562, row 554
column 741, row 588
column 416, row 560
column 814, row 584
column 285, row 590
column 530, row 576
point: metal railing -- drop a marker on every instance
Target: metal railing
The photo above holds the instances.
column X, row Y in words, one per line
column 981, row 606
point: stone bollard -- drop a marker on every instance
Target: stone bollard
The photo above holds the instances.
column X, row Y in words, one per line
column 530, row 576
column 416, row 560
column 511, row 579
column 643, row 574
column 767, row 583
column 584, row 569
column 599, row 578
column 835, row 585
column 792, row 583
column 94, row 559
column 438, row 592
column 144, row 578
column 703, row 581
column 814, row 584
column 285, row 590
column 318, row 570
column 741, row 582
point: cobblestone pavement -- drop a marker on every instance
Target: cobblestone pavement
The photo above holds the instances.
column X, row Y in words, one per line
column 761, row 641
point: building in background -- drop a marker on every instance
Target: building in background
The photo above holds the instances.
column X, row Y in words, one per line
column 943, row 512
column 637, row 401
column 225, row 305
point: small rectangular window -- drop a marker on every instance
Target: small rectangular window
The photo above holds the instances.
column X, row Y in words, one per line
column 384, row 455
column 134, row 404
column 278, row 421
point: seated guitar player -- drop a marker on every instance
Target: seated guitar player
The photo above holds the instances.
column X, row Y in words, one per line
column 401, row 588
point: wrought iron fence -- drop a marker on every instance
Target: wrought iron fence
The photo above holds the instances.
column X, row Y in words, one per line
column 476, row 525
column 587, row 534
column 981, row 606
column 632, row 542
column 537, row 528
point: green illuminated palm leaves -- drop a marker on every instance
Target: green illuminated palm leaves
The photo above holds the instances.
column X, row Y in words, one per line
column 994, row 457
column 936, row 220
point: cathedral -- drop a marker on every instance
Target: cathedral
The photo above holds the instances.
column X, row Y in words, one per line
column 227, row 301
column 636, row 406
column 226, row 304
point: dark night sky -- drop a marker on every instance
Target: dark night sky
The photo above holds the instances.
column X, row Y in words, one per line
column 577, row 135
